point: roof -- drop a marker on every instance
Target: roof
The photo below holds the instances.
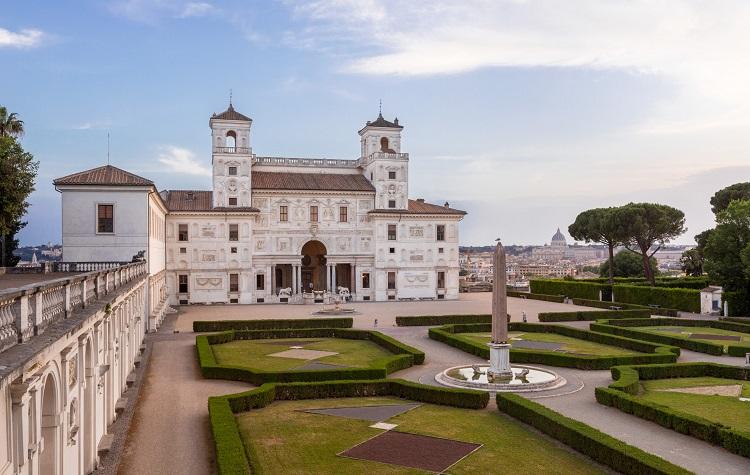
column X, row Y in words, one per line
column 558, row 236
column 231, row 114
column 310, row 181
column 381, row 122
column 712, row 288
column 422, row 207
column 105, row 175
column 197, row 200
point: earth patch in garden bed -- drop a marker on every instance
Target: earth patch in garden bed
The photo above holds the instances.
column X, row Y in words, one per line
column 367, row 413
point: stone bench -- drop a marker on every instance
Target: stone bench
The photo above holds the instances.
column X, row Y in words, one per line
column 105, row 444
column 137, row 361
column 130, row 381
column 121, row 405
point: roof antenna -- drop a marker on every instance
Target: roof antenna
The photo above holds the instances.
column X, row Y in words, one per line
column 230, row 98
column 107, row 147
column 380, row 107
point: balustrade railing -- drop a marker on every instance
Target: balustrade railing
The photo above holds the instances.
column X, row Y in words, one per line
column 244, row 150
column 27, row 311
column 306, row 162
column 364, row 161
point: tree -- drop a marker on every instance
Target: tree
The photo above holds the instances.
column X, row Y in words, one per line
column 692, row 262
column 600, row 225
column 10, row 244
column 10, row 124
column 727, row 250
column 626, row 264
column 649, row 226
column 721, row 199
column 17, row 174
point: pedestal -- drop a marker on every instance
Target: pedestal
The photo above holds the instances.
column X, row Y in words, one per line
column 499, row 361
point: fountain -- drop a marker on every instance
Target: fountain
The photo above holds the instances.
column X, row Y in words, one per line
column 499, row 375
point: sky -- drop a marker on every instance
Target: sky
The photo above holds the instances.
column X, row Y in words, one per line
column 521, row 112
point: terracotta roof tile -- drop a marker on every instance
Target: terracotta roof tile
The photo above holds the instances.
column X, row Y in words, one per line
column 421, row 207
column 197, row 200
column 231, row 114
column 105, row 175
column 310, row 181
column 381, row 122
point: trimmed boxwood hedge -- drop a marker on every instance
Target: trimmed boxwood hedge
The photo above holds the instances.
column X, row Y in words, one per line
column 665, row 312
column 655, row 353
column 620, row 394
column 687, row 300
column 231, row 457
column 619, row 327
column 532, row 296
column 592, row 315
column 435, row 320
column 585, row 439
column 569, row 288
column 404, row 356
column 274, row 324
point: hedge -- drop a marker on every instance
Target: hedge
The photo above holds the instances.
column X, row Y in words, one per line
column 531, row 296
column 687, row 300
column 568, row 288
column 680, row 282
column 654, row 353
column 665, row 312
column 435, row 320
column 620, row 394
column 231, row 457
column 404, row 356
column 274, row 324
column 619, row 327
column 604, row 449
column 592, row 315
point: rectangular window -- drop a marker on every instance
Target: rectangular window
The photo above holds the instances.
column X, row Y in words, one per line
column 260, row 282
column 391, row 175
column 105, row 222
column 182, row 232
column 283, row 213
column 391, row 203
column 391, row 250
column 183, row 288
column 232, row 201
column 343, row 214
column 233, row 250
column 441, row 280
column 234, row 282
column 441, row 232
column 183, row 250
column 365, row 280
column 313, row 214
column 232, row 171
column 391, row 232
column 234, row 232
column 391, row 281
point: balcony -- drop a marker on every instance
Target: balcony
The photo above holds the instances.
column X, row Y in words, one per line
column 242, row 150
column 364, row 161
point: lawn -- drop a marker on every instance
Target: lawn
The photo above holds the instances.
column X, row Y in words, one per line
column 685, row 332
column 284, row 440
column 253, row 354
column 569, row 345
column 726, row 410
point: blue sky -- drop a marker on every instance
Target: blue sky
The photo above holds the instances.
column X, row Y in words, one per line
column 521, row 112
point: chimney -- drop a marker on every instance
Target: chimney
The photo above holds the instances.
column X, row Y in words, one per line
column 420, row 200
column 447, row 205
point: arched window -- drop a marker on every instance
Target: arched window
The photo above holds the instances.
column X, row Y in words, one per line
column 384, row 144
column 231, row 140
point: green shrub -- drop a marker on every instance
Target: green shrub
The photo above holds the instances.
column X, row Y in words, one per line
column 621, row 395
column 592, row 315
column 585, row 439
column 275, row 324
column 687, row 300
column 230, row 451
column 666, row 312
column 529, row 295
column 569, row 288
column 434, row 320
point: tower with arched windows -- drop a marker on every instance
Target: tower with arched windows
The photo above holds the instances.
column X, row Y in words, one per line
column 384, row 164
column 231, row 158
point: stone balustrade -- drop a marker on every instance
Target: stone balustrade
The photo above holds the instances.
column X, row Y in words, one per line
column 27, row 311
column 306, row 162
column 364, row 161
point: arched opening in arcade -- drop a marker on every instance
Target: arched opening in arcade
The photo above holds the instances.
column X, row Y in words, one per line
column 50, row 429
column 314, row 266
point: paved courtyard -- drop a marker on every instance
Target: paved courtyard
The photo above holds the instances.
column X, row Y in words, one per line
column 171, row 431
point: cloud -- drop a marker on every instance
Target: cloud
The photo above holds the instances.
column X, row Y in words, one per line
column 95, row 125
column 182, row 160
column 152, row 11
column 26, row 38
column 197, row 9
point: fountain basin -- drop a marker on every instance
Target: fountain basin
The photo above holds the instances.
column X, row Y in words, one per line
column 524, row 379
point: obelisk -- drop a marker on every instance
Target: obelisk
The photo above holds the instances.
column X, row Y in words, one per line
column 499, row 347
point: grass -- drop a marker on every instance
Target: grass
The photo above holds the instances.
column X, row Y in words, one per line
column 291, row 442
column 726, row 410
column 685, row 332
column 569, row 345
column 253, row 354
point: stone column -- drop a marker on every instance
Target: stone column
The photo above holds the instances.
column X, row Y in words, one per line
column 299, row 279
column 20, row 427
column 333, row 278
column 328, row 277
column 499, row 347
column 355, row 280
column 273, row 279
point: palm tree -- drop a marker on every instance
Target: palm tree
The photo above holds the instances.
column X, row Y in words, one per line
column 10, row 124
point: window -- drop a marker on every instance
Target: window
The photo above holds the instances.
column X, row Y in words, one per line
column 343, row 214
column 233, row 250
column 313, row 214
column 183, row 250
column 105, row 222
column 182, row 232
column 234, row 282
column 283, row 213
column 260, row 282
column 441, row 280
column 384, row 144
column 234, row 233
column 391, row 232
column 232, row 171
column 391, row 203
column 232, row 201
column 391, row 281
column 183, row 287
column 440, row 250
column 441, row 232
column 391, row 250
column 391, row 175
column 365, row 280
